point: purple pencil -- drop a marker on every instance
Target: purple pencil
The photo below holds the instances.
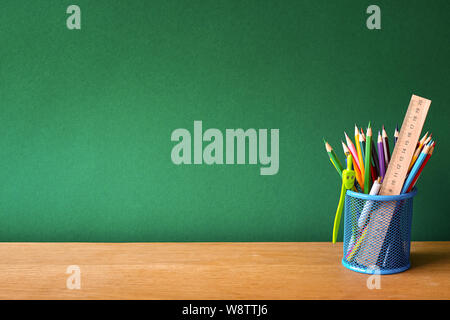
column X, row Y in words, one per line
column 381, row 156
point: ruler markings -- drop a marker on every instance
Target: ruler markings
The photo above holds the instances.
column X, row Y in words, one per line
column 405, row 146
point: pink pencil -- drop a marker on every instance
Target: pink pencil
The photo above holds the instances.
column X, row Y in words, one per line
column 352, row 149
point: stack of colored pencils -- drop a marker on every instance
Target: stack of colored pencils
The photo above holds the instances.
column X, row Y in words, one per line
column 371, row 158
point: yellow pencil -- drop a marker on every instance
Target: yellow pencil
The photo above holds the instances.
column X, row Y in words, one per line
column 358, row 150
column 357, row 245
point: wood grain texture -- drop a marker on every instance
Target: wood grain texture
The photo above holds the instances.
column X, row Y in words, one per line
column 211, row 271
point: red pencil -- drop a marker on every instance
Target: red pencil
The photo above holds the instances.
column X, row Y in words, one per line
column 413, row 182
column 373, row 173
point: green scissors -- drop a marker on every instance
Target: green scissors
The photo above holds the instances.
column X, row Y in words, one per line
column 348, row 182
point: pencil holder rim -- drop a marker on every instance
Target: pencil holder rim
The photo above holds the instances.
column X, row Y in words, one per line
column 364, row 196
column 374, row 271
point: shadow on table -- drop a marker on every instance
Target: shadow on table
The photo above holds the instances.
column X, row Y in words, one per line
column 420, row 259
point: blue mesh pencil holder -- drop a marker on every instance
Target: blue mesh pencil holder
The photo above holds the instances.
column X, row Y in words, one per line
column 377, row 232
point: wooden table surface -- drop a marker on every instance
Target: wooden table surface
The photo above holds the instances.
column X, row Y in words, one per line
column 211, row 271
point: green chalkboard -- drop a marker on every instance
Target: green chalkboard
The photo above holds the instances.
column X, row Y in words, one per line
column 87, row 114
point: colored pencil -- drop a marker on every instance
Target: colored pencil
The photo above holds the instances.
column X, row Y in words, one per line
column 414, row 157
column 395, row 135
column 339, row 163
column 375, row 162
column 353, row 152
column 372, row 171
column 425, row 140
column 421, row 141
column 344, row 147
column 354, row 249
column 386, row 151
column 363, row 141
column 358, row 177
column 413, row 182
column 340, row 174
column 381, row 156
column 363, row 148
column 362, row 144
column 367, row 160
column 368, row 204
column 355, row 167
column 333, row 157
column 415, row 168
column 358, row 150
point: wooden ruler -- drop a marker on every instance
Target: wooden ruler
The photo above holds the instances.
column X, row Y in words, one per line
column 381, row 218
column 405, row 146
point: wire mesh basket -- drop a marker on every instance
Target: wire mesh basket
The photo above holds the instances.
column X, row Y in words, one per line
column 377, row 232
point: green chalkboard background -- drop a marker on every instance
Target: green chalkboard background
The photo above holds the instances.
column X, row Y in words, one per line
column 86, row 115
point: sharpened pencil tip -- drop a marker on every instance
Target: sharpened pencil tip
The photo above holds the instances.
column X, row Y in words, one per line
column 347, row 138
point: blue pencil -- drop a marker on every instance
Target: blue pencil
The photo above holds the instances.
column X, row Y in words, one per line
column 415, row 168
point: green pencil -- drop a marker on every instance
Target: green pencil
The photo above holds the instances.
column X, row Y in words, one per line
column 333, row 157
column 367, row 160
